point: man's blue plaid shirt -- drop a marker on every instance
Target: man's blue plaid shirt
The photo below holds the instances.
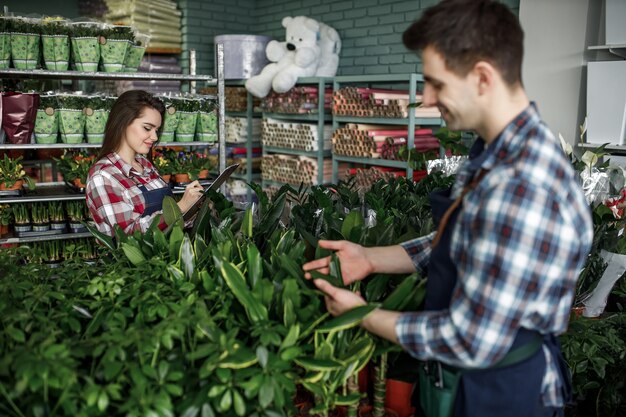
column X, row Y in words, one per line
column 520, row 241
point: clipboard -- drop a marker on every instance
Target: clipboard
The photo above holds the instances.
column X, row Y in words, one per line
column 221, row 178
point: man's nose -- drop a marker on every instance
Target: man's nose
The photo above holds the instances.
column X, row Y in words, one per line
column 429, row 98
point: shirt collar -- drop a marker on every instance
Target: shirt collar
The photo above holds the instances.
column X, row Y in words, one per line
column 126, row 168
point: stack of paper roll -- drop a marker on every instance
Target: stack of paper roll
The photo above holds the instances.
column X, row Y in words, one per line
column 302, row 136
column 298, row 100
column 158, row 18
column 372, row 102
column 294, row 169
column 379, row 141
column 235, row 98
column 237, row 129
column 364, row 178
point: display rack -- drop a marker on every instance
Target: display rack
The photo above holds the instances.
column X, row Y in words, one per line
column 320, row 118
column 58, row 191
column 413, row 80
column 611, row 149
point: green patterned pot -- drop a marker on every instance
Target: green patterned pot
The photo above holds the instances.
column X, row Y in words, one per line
column 95, row 122
column 170, row 123
column 5, row 50
column 133, row 58
column 113, row 53
column 186, row 126
column 25, row 50
column 56, row 51
column 71, row 125
column 46, row 127
column 86, row 53
column 206, row 130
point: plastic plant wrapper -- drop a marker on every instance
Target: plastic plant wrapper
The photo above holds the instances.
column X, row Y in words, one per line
column 85, row 46
column 135, row 52
column 71, row 118
column 170, row 119
column 596, row 302
column 25, row 50
column 187, row 120
column 19, row 111
column 56, row 52
column 5, row 50
column 447, row 166
column 206, row 129
column 96, row 116
column 113, row 54
column 47, row 121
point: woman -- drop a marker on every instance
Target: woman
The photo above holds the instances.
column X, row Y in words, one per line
column 123, row 187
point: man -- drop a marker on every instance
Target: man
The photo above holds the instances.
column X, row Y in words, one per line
column 514, row 230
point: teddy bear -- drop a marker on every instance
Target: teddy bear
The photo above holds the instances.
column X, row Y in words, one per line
column 311, row 49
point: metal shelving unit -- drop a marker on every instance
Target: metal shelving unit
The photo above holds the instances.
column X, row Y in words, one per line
column 58, row 191
column 612, row 149
column 411, row 121
column 320, row 117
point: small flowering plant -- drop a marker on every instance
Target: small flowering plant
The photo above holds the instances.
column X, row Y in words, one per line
column 12, row 171
column 75, row 165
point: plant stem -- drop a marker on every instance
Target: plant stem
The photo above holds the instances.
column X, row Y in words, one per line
column 11, row 403
column 380, row 388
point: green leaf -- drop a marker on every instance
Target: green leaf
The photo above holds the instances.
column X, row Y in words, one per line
column 353, row 222
column 186, row 258
column 176, row 238
column 396, row 298
column 241, row 358
column 171, row 212
column 255, row 265
column 226, row 401
column 266, row 395
column 330, row 278
column 134, row 254
column 313, row 364
column 348, row 319
column 103, row 401
column 291, row 338
column 239, row 404
column 290, row 353
column 101, row 237
column 261, row 354
column 16, row 334
column 350, row 399
column 236, row 282
column 216, row 390
column 246, row 226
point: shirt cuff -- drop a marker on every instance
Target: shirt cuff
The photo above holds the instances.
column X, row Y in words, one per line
column 419, row 250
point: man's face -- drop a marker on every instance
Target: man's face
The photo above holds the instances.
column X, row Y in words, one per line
column 455, row 96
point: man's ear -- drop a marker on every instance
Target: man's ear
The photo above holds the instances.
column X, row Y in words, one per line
column 485, row 75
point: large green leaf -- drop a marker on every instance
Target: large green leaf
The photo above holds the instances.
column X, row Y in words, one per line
column 102, row 238
column 314, row 364
column 255, row 265
column 395, row 300
column 176, row 238
column 246, row 226
column 236, row 282
column 171, row 212
column 352, row 226
column 348, row 319
column 186, row 258
column 134, row 254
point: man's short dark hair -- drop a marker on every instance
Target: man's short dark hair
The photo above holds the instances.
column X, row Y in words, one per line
column 467, row 31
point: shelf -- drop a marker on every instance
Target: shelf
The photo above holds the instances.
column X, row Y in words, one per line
column 84, row 75
column 52, row 191
column 244, row 177
column 91, row 145
column 62, row 236
column 352, row 79
column 427, row 121
column 254, row 144
column 313, row 117
column 242, row 114
column 371, row 161
column 170, row 51
column 297, row 152
column 612, row 149
column 617, row 49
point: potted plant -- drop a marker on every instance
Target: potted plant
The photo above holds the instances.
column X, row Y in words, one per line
column 164, row 167
column 183, row 167
column 202, row 165
column 5, row 42
column 6, row 215
column 57, row 215
column 97, row 109
column 22, row 218
column 25, row 34
column 114, row 44
column 75, row 214
column 71, row 117
column 170, row 119
column 47, row 121
column 40, row 217
column 55, row 39
column 51, row 253
column 206, row 130
column 135, row 52
column 187, row 119
column 12, row 175
column 85, row 46
column 74, row 166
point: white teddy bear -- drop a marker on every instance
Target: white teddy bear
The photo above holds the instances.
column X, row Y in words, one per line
column 311, row 49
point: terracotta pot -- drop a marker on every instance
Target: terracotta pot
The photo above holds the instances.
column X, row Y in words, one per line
column 182, row 178
column 18, row 184
column 78, row 183
column 398, row 397
column 204, row 174
column 166, row 178
column 4, row 229
column 365, row 378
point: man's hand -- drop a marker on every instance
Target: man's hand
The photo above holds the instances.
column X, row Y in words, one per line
column 338, row 300
column 355, row 264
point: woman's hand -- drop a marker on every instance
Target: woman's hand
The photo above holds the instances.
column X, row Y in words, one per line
column 193, row 191
column 355, row 264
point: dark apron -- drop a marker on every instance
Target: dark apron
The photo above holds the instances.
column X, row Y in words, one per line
column 511, row 391
column 153, row 198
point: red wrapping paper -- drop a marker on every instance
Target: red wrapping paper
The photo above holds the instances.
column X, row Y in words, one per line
column 19, row 111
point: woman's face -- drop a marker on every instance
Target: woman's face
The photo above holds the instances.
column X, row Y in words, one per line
column 141, row 134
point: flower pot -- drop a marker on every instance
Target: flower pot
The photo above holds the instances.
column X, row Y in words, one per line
column 78, row 183
column 18, row 185
column 77, row 227
column 5, row 50
column 170, row 122
column 4, row 229
column 203, row 174
column 113, row 54
column 95, row 122
column 86, row 53
column 25, row 50
column 166, row 178
column 58, row 225
column 71, row 125
column 46, row 126
column 186, row 127
column 41, row 227
column 182, row 178
column 53, row 264
column 56, row 52
column 206, row 130
column 398, row 397
column 22, row 227
column 133, row 59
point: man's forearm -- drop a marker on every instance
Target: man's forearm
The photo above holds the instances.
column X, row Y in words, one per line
column 382, row 323
column 390, row 260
